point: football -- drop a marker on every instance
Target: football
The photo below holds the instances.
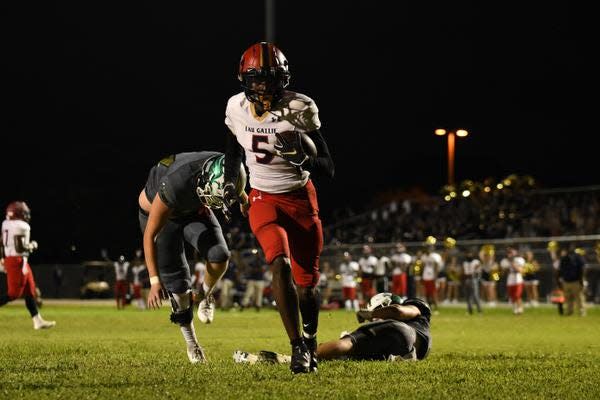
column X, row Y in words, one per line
column 307, row 143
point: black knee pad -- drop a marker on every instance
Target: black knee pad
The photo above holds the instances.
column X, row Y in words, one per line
column 218, row 253
column 183, row 317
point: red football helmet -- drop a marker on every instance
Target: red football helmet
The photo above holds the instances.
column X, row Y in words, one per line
column 18, row 210
column 264, row 73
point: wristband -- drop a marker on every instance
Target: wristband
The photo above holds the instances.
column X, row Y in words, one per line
column 154, row 280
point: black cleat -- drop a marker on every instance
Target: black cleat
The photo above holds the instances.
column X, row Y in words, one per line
column 300, row 363
column 311, row 345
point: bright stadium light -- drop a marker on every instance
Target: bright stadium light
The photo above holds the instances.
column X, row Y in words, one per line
column 451, row 148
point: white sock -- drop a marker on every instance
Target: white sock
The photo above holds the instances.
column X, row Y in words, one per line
column 308, row 335
column 189, row 334
column 183, row 301
column 206, row 288
column 37, row 319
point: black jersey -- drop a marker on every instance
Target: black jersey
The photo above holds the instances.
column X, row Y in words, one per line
column 420, row 324
column 175, row 179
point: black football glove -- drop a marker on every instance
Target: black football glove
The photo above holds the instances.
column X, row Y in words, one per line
column 291, row 151
column 230, row 195
column 363, row 315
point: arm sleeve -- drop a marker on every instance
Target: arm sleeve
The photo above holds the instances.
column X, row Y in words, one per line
column 322, row 164
column 233, row 158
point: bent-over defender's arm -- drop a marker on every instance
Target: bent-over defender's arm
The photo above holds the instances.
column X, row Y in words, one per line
column 157, row 218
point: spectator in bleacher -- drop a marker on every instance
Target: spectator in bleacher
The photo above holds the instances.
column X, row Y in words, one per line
column 515, row 211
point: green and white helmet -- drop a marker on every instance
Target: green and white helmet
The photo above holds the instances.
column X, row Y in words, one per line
column 383, row 300
column 212, row 180
column 379, row 300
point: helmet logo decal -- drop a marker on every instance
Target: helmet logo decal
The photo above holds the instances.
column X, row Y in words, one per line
column 211, row 182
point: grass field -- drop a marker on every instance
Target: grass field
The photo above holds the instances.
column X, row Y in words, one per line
column 97, row 352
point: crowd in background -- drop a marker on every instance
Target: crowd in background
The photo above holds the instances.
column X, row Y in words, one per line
column 515, row 211
column 364, row 252
column 505, row 213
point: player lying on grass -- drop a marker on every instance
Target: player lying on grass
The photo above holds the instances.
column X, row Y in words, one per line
column 397, row 330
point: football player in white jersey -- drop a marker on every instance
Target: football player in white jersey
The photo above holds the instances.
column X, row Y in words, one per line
column 14, row 251
column 432, row 265
column 514, row 264
column 349, row 270
column 284, row 212
column 141, row 280
column 121, row 281
column 401, row 261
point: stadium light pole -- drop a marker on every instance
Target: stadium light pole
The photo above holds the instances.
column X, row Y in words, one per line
column 270, row 21
column 451, row 148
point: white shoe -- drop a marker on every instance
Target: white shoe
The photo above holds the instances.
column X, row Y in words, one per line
column 196, row 355
column 244, row 357
column 206, row 310
column 264, row 356
column 43, row 324
column 410, row 356
column 344, row 333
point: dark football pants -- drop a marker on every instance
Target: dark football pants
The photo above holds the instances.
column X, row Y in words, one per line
column 203, row 232
column 380, row 339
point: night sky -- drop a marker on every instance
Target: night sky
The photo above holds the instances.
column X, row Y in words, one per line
column 94, row 94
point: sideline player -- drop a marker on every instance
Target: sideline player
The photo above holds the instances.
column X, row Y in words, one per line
column 15, row 249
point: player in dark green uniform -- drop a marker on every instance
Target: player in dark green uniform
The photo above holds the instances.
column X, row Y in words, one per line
column 398, row 330
column 176, row 205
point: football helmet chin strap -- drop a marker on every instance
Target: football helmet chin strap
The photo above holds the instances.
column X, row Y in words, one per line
column 182, row 312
